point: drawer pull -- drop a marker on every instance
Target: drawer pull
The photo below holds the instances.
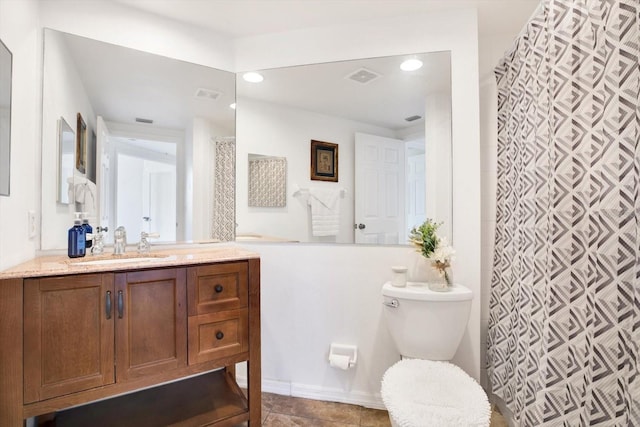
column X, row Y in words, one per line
column 108, row 307
column 120, row 304
column 218, row 288
column 219, row 335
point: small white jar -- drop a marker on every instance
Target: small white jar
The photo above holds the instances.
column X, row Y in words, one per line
column 399, row 276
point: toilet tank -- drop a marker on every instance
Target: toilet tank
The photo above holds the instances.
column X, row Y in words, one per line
column 426, row 324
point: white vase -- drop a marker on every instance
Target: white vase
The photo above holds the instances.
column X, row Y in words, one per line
column 399, row 276
column 440, row 286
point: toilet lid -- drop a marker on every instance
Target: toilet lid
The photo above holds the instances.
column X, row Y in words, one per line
column 420, row 393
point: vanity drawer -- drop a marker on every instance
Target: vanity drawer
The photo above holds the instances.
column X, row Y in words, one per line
column 215, row 288
column 216, row 335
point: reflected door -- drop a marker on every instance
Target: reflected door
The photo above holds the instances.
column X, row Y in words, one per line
column 146, row 197
column 161, row 204
column 379, row 190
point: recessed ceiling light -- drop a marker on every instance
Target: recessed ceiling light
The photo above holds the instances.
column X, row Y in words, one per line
column 233, row 106
column 411, row 65
column 253, row 77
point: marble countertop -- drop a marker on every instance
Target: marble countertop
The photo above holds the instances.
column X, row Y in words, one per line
column 55, row 265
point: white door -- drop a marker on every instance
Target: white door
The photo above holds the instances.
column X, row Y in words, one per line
column 416, row 191
column 161, row 217
column 379, row 190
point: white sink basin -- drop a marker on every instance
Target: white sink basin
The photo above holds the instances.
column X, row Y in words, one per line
column 127, row 260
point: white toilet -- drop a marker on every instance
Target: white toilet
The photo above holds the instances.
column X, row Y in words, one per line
column 424, row 389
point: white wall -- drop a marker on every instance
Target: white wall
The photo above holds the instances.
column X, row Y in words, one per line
column 273, row 130
column 438, row 160
column 335, row 290
column 19, row 30
column 66, row 96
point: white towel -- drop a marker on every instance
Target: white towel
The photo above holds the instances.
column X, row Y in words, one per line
column 85, row 192
column 325, row 211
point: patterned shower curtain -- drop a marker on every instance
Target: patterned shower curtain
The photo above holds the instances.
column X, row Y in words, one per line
column 224, row 190
column 564, row 327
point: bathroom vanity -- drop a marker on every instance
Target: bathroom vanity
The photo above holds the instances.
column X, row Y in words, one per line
column 144, row 341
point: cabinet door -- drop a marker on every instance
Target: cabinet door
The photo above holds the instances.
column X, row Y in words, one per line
column 151, row 322
column 68, row 335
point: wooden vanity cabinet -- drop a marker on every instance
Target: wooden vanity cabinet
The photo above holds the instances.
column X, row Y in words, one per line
column 88, row 337
column 70, row 322
column 218, row 315
column 151, row 324
column 68, row 337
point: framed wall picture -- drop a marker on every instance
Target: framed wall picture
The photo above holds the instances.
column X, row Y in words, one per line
column 324, row 161
column 81, row 145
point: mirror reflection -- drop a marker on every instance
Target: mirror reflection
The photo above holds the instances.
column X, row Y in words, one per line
column 6, row 62
column 267, row 181
column 154, row 131
column 391, row 127
column 66, row 158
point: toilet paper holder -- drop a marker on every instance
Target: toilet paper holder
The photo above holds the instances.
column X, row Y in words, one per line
column 343, row 356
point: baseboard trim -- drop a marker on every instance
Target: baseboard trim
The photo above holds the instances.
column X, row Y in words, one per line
column 268, row 386
column 318, row 393
column 367, row 400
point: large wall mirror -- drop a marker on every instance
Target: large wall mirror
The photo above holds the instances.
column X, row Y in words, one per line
column 155, row 131
column 391, row 127
column 6, row 62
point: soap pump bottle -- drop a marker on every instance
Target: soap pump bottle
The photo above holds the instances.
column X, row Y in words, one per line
column 88, row 230
column 76, row 236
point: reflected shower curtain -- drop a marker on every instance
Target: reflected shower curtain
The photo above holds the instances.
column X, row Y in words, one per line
column 224, row 190
column 564, row 327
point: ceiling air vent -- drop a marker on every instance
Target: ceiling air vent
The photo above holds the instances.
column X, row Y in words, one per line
column 413, row 118
column 209, row 94
column 363, row 76
column 141, row 120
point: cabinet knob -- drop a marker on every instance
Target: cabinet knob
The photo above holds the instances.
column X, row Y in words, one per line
column 218, row 288
column 219, row 335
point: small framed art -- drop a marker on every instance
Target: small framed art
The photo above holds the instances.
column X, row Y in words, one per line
column 324, row 161
column 81, row 145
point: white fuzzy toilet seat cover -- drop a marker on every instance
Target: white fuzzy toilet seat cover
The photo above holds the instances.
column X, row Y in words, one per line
column 419, row 393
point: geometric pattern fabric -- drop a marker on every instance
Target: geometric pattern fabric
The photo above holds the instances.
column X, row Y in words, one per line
column 268, row 182
column 224, row 190
column 564, row 325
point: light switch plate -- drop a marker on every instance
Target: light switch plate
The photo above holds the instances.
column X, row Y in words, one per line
column 31, row 223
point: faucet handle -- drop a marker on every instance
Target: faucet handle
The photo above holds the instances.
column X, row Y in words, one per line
column 144, row 246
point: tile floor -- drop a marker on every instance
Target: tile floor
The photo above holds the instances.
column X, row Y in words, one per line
column 285, row 411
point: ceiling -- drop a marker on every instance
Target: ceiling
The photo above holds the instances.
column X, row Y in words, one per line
column 385, row 101
column 124, row 84
column 246, row 18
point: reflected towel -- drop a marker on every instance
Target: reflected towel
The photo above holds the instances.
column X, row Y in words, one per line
column 325, row 211
column 85, row 192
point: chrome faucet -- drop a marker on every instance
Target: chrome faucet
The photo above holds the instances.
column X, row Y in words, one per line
column 98, row 244
column 119, row 241
column 144, row 246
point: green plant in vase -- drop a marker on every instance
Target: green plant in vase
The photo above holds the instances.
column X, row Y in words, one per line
column 433, row 247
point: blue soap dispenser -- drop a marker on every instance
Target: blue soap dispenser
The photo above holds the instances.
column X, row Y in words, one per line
column 77, row 235
column 88, row 230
